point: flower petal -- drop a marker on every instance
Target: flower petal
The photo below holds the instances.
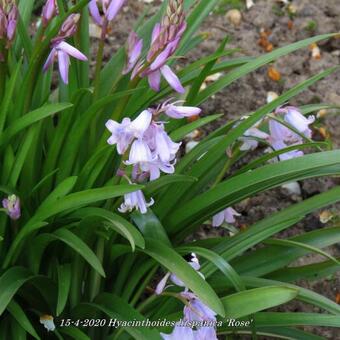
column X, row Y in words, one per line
column 154, row 79
column 50, row 60
column 64, row 64
column 72, row 51
column 172, row 79
column 114, row 8
column 94, row 11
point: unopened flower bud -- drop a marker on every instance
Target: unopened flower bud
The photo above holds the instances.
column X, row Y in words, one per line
column 12, row 206
column 69, row 27
column 12, row 22
column 49, row 11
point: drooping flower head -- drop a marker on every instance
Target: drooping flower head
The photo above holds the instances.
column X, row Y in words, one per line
column 165, row 40
column 8, row 21
column 62, row 51
column 49, row 11
column 12, row 206
column 110, row 9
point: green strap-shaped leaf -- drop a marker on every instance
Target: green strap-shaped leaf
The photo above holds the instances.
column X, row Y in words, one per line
column 254, row 300
column 31, row 118
column 277, row 319
column 269, row 258
column 10, row 281
column 80, row 247
column 117, row 223
column 288, row 243
column 74, row 333
column 20, row 316
column 64, row 284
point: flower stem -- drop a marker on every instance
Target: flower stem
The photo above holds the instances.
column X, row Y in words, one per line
column 3, row 71
column 97, row 74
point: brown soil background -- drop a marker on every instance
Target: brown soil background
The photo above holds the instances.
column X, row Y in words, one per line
column 248, row 94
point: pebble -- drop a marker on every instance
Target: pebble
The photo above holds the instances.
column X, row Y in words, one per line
column 234, row 17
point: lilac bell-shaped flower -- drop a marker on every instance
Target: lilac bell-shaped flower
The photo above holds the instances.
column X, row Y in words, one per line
column 49, row 11
column 135, row 200
column 12, row 206
column 62, row 50
column 296, row 119
column 125, row 132
column 139, row 153
column 179, row 112
column 226, row 215
column 161, row 143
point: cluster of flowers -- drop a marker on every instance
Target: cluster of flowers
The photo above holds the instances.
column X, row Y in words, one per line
column 165, row 39
column 279, row 138
column 151, row 150
column 60, row 48
column 8, row 21
column 194, row 310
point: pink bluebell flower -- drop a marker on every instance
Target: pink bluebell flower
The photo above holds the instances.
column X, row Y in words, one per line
column 179, row 112
column 49, row 11
column 281, row 136
column 227, row 215
column 135, row 200
column 161, row 144
column 140, row 153
column 62, row 50
column 12, row 206
column 110, row 9
column 155, row 167
column 294, row 117
column 122, row 134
